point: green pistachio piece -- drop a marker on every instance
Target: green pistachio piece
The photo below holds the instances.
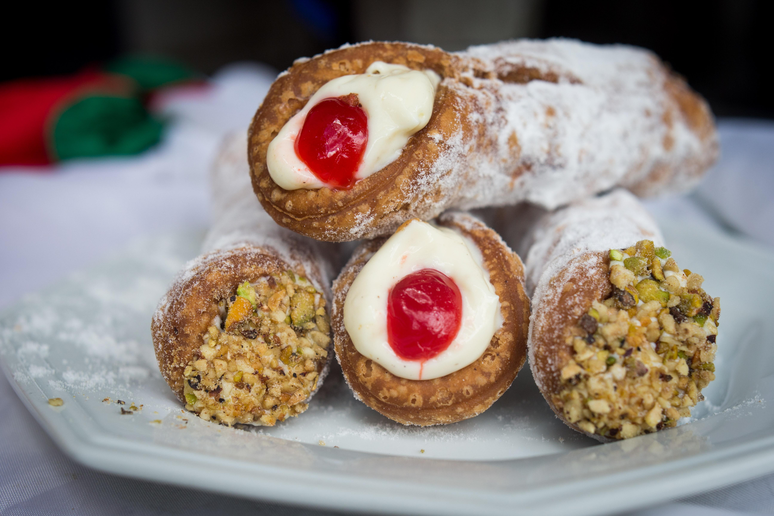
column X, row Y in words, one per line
column 190, row 399
column 649, row 291
column 663, row 253
column 302, row 307
column 700, row 319
column 292, row 275
column 594, row 313
column 690, row 304
column 611, row 360
column 656, row 270
column 247, row 291
column 708, row 367
column 681, row 354
column 616, row 255
column 637, row 265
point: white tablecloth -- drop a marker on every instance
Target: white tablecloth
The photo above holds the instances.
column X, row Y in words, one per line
column 53, row 222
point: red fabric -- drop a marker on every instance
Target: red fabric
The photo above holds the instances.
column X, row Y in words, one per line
column 28, row 105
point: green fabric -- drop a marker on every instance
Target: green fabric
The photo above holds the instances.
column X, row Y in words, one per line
column 103, row 125
column 151, row 72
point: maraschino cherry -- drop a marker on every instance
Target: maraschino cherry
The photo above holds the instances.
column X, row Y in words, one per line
column 424, row 314
column 333, row 139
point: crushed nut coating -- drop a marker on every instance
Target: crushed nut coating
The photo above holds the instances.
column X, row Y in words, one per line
column 261, row 358
column 641, row 357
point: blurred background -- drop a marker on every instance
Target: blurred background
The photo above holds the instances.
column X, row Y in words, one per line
column 98, row 150
column 721, row 46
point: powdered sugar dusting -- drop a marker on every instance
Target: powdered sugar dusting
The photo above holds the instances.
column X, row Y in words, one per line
column 548, row 122
column 82, row 337
column 567, row 242
column 238, row 219
column 33, row 348
column 612, row 221
column 240, row 225
column 38, row 371
column 595, row 121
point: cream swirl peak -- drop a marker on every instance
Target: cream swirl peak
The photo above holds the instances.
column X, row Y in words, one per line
column 397, row 102
column 418, row 247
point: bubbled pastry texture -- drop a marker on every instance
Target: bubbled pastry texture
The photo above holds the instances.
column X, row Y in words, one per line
column 549, row 122
column 462, row 394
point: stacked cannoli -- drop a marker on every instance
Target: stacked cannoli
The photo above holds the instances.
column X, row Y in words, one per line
column 548, row 122
column 431, row 320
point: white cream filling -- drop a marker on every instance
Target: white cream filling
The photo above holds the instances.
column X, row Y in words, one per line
column 397, row 101
column 416, row 246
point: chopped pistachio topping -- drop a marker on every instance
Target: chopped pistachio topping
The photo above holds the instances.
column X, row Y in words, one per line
column 643, row 362
column 247, row 291
column 301, row 308
column 258, row 362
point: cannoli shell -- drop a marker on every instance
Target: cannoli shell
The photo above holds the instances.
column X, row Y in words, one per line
column 547, row 122
column 569, row 296
column 568, row 268
column 188, row 309
column 462, row 394
column 243, row 244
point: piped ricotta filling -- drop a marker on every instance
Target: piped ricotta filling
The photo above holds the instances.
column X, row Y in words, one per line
column 398, row 102
column 415, row 246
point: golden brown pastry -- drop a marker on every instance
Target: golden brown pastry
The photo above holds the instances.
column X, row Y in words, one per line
column 548, row 122
column 461, row 394
column 622, row 341
column 243, row 335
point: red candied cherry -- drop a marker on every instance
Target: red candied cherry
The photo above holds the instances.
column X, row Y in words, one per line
column 424, row 314
column 333, row 139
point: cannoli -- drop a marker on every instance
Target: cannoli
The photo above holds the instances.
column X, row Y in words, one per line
column 243, row 335
column 352, row 143
column 621, row 340
column 430, row 325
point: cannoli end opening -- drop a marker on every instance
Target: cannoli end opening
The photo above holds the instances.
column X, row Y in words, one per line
column 464, row 393
column 636, row 360
column 262, row 356
column 343, row 215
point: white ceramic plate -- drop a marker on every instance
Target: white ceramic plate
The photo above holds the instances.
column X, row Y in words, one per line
column 87, row 341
